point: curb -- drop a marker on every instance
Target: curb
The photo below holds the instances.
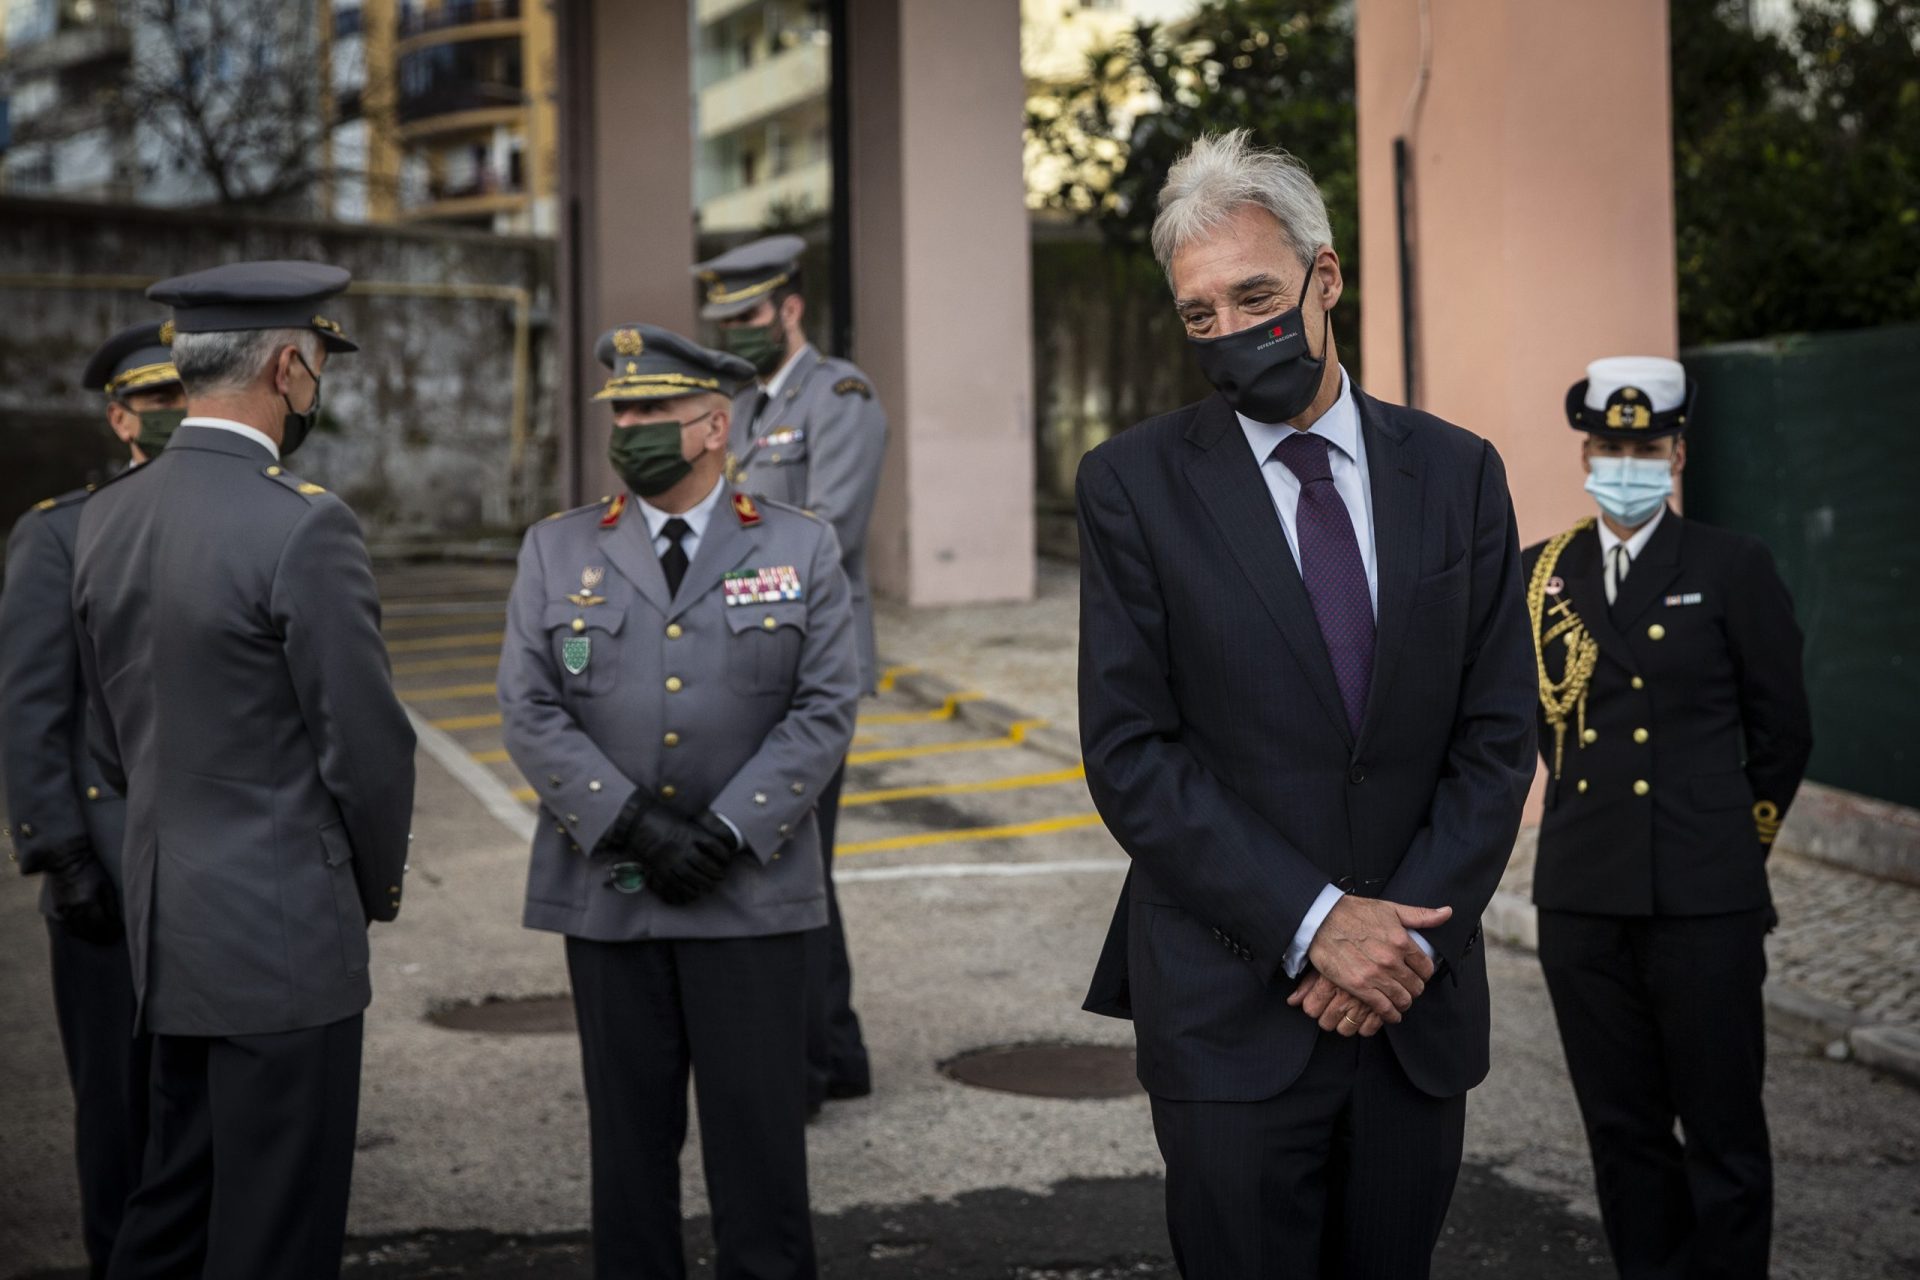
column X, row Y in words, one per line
column 1836, row 1030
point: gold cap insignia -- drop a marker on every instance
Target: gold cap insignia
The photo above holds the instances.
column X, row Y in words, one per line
column 628, row 342
column 326, row 325
column 632, row 367
column 166, row 334
column 1629, row 393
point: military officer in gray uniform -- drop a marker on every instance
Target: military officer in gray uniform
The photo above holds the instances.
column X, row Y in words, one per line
column 811, row 433
column 679, row 682
column 240, row 698
column 69, row 820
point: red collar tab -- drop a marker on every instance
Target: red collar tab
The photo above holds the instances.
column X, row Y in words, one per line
column 744, row 508
column 614, row 509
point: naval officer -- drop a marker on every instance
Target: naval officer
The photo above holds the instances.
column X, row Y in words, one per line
column 69, row 820
column 679, row 682
column 1674, row 724
column 810, row 431
column 240, row 698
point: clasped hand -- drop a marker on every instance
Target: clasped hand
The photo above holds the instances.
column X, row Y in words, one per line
column 1366, row 969
column 683, row 858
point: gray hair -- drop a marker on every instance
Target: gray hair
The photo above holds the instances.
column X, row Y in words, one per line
column 230, row 361
column 1220, row 173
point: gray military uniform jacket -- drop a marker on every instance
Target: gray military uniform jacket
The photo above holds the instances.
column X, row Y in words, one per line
column 728, row 696
column 819, row 446
column 230, row 641
column 57, row 794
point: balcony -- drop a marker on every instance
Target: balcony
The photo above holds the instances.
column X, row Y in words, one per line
column 751, row 208
column 767, row 88
column 68, row 47
column 482, row 191
column 708, row 12
column 416, row 21
column 450, row 79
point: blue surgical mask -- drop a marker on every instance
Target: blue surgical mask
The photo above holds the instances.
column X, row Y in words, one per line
column 1630, row 489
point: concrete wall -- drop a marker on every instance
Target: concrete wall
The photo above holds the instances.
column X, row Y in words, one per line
column 425, row 448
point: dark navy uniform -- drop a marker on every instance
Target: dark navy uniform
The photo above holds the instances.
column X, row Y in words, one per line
column 1675, row 729
column 70, row 821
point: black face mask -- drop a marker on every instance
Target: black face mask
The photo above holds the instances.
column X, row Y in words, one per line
column 295, row 427
column 1265, row 371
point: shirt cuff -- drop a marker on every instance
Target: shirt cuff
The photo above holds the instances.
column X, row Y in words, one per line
column 1296, row 957
column 1421, row 942
column 740, row 843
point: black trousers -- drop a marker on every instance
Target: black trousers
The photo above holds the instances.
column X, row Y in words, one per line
column 249, row 1157
column 836, row 1054
column 1662, row 1020
column 732, row 1010
column 1346, row 1175
column 93, row 1002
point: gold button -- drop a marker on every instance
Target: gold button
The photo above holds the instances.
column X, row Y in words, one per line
column 1640, row 735
column 672, row 739
column 594, row 785
column 273, row 471
column 768, row 622
column 574, row 818
column 553, row 779
column 1656, row 632
column 774, row 458
column 394, row 889
column 579, row 624
column 93, row 793
column 26, row 828
column 673, row 684
column 668, row 792
column 1582, row 787
column 673, row 631
column 798, row 788
column 1638, row 683
column 560, row 828
column 1641, row 788
column 759, row 797
column 786, row 829
column 1591, row 735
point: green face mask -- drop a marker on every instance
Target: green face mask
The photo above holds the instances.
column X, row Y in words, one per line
column 649, row 458
column 764, row 346
column 156, row 428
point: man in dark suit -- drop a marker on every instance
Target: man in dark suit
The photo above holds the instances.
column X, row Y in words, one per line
column 1675, row 729
column 69, row 820
column 1306, row 712
column 240, row 697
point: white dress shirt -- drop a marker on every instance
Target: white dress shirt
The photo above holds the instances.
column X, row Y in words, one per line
column 1347, row 460
column 238, row 428
column 1634, row 545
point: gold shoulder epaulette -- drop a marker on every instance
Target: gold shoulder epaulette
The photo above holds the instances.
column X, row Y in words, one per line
column 46, row 504
column 1569, row 692
column 853, row 386
column 286, row 480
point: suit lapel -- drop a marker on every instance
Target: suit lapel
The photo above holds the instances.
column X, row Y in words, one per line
column 1579, row 569
column 631, row 552
column 723, row 545
column 1652, row 572
column 1395, row 482
column 1227, row 478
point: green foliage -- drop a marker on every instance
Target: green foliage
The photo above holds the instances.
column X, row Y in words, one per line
column 1281, row 68
column 1796, row 168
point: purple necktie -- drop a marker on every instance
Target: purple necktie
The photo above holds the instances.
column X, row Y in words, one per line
column 1330, row 565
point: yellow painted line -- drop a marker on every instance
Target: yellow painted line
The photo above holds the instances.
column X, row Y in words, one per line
column 854, row 799
column 445, row 642
column 450, row 691
column 492, row 757
column 945, row 711
column 424, row 665
column 1014, row 738
column 1017, row 831
column 891, row 674
column 526, row 793
column 864, row 740
column 423, row 621
column 467, row 722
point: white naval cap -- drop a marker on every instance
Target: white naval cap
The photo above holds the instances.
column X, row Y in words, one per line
column 1661, row 381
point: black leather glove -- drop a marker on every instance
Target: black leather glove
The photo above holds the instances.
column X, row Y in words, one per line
column 683, row 859
column 82, row 896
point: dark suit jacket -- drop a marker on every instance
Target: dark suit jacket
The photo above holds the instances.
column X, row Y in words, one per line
column 239, row 690
column 1218, row 752
column 1719, row 699
column 57, row 795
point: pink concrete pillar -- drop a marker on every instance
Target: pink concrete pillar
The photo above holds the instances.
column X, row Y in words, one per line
column 1542, row 214
column 941, row 283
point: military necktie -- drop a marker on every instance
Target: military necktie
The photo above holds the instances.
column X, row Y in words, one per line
column 1619, row 560
column 673, row 561
column 1331, row 567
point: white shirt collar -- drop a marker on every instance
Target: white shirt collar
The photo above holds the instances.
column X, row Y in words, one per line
column 1637, row 543
column 696, row 518
column 238, row 428
column 778, row 382
column 1340, row 424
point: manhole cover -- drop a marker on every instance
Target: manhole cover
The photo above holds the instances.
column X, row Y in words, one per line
column 1049, row 1070
column 508, row 1016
